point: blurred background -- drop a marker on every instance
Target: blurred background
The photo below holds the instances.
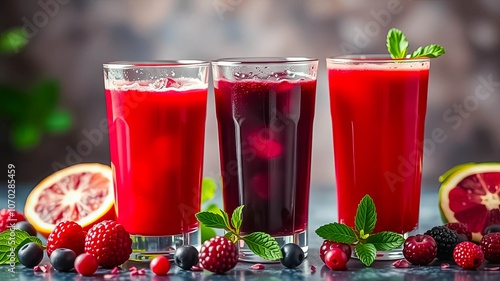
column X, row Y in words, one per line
column 52, row 51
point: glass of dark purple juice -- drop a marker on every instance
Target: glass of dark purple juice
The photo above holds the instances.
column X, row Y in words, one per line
column 265, row 111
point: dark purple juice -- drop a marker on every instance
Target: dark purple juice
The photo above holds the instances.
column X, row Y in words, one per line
column 265, row 138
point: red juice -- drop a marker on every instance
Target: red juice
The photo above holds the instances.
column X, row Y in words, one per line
column 378, row 115
column 265, row 132
column 157, row 139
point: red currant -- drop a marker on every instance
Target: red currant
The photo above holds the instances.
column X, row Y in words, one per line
column 86, row 264
column 160, row 265
column 328, row 245
column 336, row 259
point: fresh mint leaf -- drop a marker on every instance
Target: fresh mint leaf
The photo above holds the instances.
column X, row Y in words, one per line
column 11, row 243
column 209, row 219
column 431, row 51
column 208, row 189
column 366, row 215
column 397, row 44
column 366, row 253
column 237, row 219
column 225, row 217
column 337, row 232
column 263, row 245
column 385, row 240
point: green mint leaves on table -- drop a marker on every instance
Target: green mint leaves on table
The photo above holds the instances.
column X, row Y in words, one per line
column 397, row 45
column 260, row 243
column 11, row 243
column 366, row 244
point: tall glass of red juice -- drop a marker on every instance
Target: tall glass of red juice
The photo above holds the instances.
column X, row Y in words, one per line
column 378, row 110
column 156, row 120
column 265, row 111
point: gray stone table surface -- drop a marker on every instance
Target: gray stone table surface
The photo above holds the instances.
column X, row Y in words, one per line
column 322, row 210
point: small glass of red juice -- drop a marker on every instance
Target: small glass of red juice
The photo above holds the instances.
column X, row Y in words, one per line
column 378, row 108
column 265, row 111
column 156, row 120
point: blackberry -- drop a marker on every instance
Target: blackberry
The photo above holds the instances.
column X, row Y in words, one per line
column 446, row 241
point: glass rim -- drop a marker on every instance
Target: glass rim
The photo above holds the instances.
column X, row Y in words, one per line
column 155, row 63
column 238, row 61
column 373, row 59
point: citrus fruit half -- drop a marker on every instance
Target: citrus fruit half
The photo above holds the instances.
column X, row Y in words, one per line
column 469, row 194
column 82, row 193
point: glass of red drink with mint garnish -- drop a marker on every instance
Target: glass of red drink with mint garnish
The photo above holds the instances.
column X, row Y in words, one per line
column 378, row 108
column 156, row 119
column 265, row 111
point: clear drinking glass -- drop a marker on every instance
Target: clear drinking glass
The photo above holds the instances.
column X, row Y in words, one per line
column 378, row 108
column 265, row 111
column 156, row 119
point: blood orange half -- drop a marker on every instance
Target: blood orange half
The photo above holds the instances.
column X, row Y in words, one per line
column 82, row 193
column 469, row 194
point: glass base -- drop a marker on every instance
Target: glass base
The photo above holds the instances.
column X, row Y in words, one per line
column 391, row 255
column 146, row 248
column 298, row 238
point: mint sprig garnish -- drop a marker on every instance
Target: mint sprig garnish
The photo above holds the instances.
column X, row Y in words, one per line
column 260, row 243
column 397, row 45
column 366, row 244
column 12, row 243
column 431, row 51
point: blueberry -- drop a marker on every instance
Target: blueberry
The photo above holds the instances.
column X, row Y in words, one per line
column 30, row 254
column 293, row 255
column 186, row 257
column 491, row 229
column 26, row 226
column 63, row 259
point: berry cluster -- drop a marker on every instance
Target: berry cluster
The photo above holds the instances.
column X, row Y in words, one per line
column 106, row 244
column 452, row 241
column 335, row 255
column 220, row 255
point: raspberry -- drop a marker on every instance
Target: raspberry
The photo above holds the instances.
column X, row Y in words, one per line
column 218, row 255
column 69, row 235
column 460, row 228
column 490, row 244
column 446, row 240
column 9, row 218
column 329, row 245
column 468, row 255
column 420, row 249
column 109, row 242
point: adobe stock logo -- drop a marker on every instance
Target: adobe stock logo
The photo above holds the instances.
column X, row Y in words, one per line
column 94, row 137
column 454, row 116
column 371, row 29
column 223, row 6
column 40, row 19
